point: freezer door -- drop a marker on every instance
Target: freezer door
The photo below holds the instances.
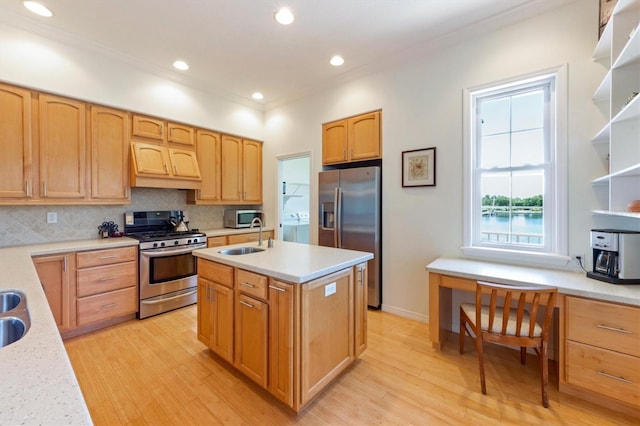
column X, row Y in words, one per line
column 327, row 185
column 360, row 219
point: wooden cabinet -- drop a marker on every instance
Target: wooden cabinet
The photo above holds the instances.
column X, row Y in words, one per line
column 63, row 150
column 109, row 154
column 327, row 331
column 361, row 290
column 181, row 134
column 107, row 284
column 148, row 127
column 617, row 141
column 602, row 350
column 208, row 151
column 250, row 237
column 217, row 241
column 281, row 340
column 215, row 307
column 155, row 165
column 352, row 139
column 252, row 171
column 16, row 178
column 251, row 340
column 240, row 170
column 57, row 276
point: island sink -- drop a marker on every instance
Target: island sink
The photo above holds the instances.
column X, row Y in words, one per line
column 241, row 250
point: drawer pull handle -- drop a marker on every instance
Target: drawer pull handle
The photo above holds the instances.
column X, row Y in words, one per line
column 619, row 330
column 246, row 304
column 106, row 257
column 110, row 305
column 247, row 285
column 611, row 376
column 108, row 279
column 278, row 288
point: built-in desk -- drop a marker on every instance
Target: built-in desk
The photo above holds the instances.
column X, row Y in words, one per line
column 598, row 330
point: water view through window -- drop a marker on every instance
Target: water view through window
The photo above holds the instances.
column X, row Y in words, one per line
column 516, row 221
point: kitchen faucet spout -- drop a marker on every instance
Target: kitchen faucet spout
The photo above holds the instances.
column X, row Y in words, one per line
column 253, row 222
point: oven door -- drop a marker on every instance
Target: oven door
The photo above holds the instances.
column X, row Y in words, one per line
column 167, row 270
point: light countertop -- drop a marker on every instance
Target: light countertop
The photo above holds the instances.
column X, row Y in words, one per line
column 231, row 231
column 571, row 283
column 288, row 261
column 38, row 385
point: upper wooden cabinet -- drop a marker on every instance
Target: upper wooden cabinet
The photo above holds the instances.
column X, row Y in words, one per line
column 240, row 170
column 352, row 139
column 109, row 154
column 159, row 166
column 63, row 148
column 148, row 127
column 208, row 151
column 181, row 134
column 252, row 171
column 16, row 180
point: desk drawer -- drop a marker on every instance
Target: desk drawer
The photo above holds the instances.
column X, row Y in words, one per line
column 606, row 325
column 605, row 372
column 252, row 284
column 107, row 305
column 107, row 278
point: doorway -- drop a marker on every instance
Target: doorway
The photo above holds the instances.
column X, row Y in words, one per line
column 294, row 174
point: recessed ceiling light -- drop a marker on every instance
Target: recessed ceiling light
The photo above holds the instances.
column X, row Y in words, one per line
column 38, row 9
column 336, row 61
column 284, row 16
column 181, row 65
column 257, row 96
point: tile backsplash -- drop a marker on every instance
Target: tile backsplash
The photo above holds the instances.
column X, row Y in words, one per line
column 22, row 225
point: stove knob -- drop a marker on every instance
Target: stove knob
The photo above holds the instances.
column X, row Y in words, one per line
column 155, row 245
column 176, row 242
column 188, row 241
column 161, row 244
column 195, row 240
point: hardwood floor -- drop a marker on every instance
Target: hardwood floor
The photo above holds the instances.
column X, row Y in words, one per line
column 156, row 372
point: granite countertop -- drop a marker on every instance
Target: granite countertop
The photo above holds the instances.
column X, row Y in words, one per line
column 288, row 261
column 571, row 283
column 38, row 385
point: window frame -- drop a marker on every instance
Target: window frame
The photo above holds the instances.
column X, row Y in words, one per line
column 554, row 250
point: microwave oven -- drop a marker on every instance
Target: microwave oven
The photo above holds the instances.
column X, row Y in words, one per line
column 241, row 218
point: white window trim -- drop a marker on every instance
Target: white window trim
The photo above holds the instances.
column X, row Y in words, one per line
column 559, row 257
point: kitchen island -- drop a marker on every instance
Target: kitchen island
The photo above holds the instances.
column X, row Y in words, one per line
column 290, row 317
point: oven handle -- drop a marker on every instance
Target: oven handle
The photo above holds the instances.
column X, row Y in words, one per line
column 170, row 251
column 155, row 302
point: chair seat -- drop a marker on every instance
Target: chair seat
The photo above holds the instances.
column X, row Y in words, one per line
column 470, row 310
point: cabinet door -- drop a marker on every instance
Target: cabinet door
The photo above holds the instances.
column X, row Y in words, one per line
column 222, row 311
column 179, row 133
column 334, row 142
column 15, row 138
column 148, row 127
column 250, row 237
column 205, row 312
column 57, row 274
column 364, row 137
column 184, row 163
column 109, row 154
column 62, row 148
column 281, row 340
column 231, row 168
column 150, row 159
column 208, row 150
column 361, row 308
column 252, row 333
column 252, row 171
column 327, row 331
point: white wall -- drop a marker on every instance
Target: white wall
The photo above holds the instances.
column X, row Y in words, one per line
column 422, row 107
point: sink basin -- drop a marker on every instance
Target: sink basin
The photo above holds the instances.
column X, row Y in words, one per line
column 9, row 300
column 12, row 329
column 241, row 250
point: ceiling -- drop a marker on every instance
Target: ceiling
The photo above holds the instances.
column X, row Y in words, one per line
column 235, row 47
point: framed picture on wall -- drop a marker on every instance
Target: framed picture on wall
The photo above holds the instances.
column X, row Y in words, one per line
column 606, row 8
column 419, row 167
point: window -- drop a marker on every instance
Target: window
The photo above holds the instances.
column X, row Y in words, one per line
column 515, row 176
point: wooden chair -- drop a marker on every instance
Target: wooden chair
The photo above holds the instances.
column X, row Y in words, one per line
column 500, row 322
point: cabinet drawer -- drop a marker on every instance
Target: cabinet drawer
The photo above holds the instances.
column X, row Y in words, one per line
column 215, row 272
column 87, row 259
column 605, row 372
column 216, row 241
column 106, row 278
column 107, row 305
column 253, row 284
column 250, row 237
column 606, row 325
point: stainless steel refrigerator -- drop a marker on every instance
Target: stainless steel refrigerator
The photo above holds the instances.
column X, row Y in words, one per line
column 350, row 217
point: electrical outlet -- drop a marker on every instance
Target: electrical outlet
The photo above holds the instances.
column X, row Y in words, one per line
column 578, row 258
column 52, row 217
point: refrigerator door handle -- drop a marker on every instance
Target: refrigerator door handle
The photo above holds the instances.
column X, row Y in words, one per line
column 337, row 230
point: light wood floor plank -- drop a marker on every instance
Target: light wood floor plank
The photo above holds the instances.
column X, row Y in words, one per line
column 156, row 372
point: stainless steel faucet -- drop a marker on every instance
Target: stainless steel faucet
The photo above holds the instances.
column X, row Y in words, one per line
column 253, row 222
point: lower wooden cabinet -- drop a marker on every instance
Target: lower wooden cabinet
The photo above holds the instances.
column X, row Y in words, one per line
column 602, row 352
column 360, row 288
column 251, row 340
column 247, row 237
column 215, row 308
column 281, row 339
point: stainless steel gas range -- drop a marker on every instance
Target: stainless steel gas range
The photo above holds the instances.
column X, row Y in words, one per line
column 167, row 269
